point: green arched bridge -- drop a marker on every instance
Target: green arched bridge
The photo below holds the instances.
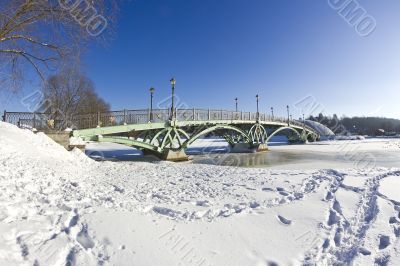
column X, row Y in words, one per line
column 167, row 135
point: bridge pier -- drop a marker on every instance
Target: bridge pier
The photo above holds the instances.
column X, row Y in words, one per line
column 63, row 138
column 262, row 147
column 172, row 155
column 249, row 148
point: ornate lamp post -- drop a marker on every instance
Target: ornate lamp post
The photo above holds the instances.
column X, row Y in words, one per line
column 152, row 90
column 236, row 104
column 173, row 83
column 258, row 113
column 272, row 112
column 288, row 114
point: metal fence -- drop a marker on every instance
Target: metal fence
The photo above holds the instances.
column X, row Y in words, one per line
column 32, row 120
column 43, row 121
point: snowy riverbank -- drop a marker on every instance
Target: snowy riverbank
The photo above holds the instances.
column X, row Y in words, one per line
column 58, row 207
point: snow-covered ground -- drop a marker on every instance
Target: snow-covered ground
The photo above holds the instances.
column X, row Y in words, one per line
column 62, row 208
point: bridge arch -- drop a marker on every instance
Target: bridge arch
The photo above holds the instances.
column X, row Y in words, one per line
column 131, row 143
column 169, row 137
column 282, row 129
column 214, row 128
column 258, row 134
column 311, row 136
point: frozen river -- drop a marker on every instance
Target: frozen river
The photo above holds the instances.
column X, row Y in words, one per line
column 285, row 158
column 339, row 154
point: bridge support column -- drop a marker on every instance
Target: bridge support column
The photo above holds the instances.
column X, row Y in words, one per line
column 249, row 148
column 172, row 155
column 262, row 147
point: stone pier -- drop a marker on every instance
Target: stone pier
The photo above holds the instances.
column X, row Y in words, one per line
column 249, row 148
column 62, row 138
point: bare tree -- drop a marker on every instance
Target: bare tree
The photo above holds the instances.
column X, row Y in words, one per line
column 71, row 93
column 40, row 33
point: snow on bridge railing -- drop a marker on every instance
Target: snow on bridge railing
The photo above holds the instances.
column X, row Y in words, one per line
column 44, row 121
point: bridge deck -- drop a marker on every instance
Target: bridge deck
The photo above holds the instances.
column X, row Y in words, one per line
column 150, row 126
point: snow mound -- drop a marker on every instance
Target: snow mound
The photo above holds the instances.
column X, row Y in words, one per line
column 28, row 146
column 76, row 141
column 350, row 138
column 322, row 130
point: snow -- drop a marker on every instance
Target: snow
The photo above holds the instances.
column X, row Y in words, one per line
column 390, row 188
column 76, row 141
column 355, row 137
column 62, row 208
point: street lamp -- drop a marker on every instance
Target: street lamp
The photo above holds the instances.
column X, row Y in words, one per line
column 152, row 90
column 272, row 112
column 258, row 114
column 288, row 114
column 173, row 83
column 236, row 103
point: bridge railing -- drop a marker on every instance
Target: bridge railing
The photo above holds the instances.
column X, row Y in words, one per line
column 113, row 118
column 33, row 120
column 42, row 121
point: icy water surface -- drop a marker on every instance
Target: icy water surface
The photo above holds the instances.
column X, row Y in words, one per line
column 321, row 155
column 303, row 159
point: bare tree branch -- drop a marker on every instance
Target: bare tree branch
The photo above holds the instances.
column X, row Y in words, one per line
column 45, row 33
column 16, row 37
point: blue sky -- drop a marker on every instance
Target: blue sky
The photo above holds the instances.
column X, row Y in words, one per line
column 284, row 50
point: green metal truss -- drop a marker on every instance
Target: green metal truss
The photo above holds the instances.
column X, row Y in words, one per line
column 258, row 134
column 207, row 130
column 178, row 135
column 282, row 129
column 130, row 142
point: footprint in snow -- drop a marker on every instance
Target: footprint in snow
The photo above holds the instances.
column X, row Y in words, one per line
column 397, row 231
column 267, row 189
column 329, row 196
column 364, row 251
column 326, row 244
column 338, row 237
column 272, row 263
column 392, row 220
column 203, row 203
column 384, row 242
column 333, row 218
column 84, row 239
column 284, row 193
column 284, row 221
column 383, row 260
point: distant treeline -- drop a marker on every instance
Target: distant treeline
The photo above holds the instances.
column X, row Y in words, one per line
column 373, row 126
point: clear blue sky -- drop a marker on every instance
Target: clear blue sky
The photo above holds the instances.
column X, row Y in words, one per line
column 283, row 50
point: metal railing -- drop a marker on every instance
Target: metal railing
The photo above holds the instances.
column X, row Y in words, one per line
column 43, row 121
